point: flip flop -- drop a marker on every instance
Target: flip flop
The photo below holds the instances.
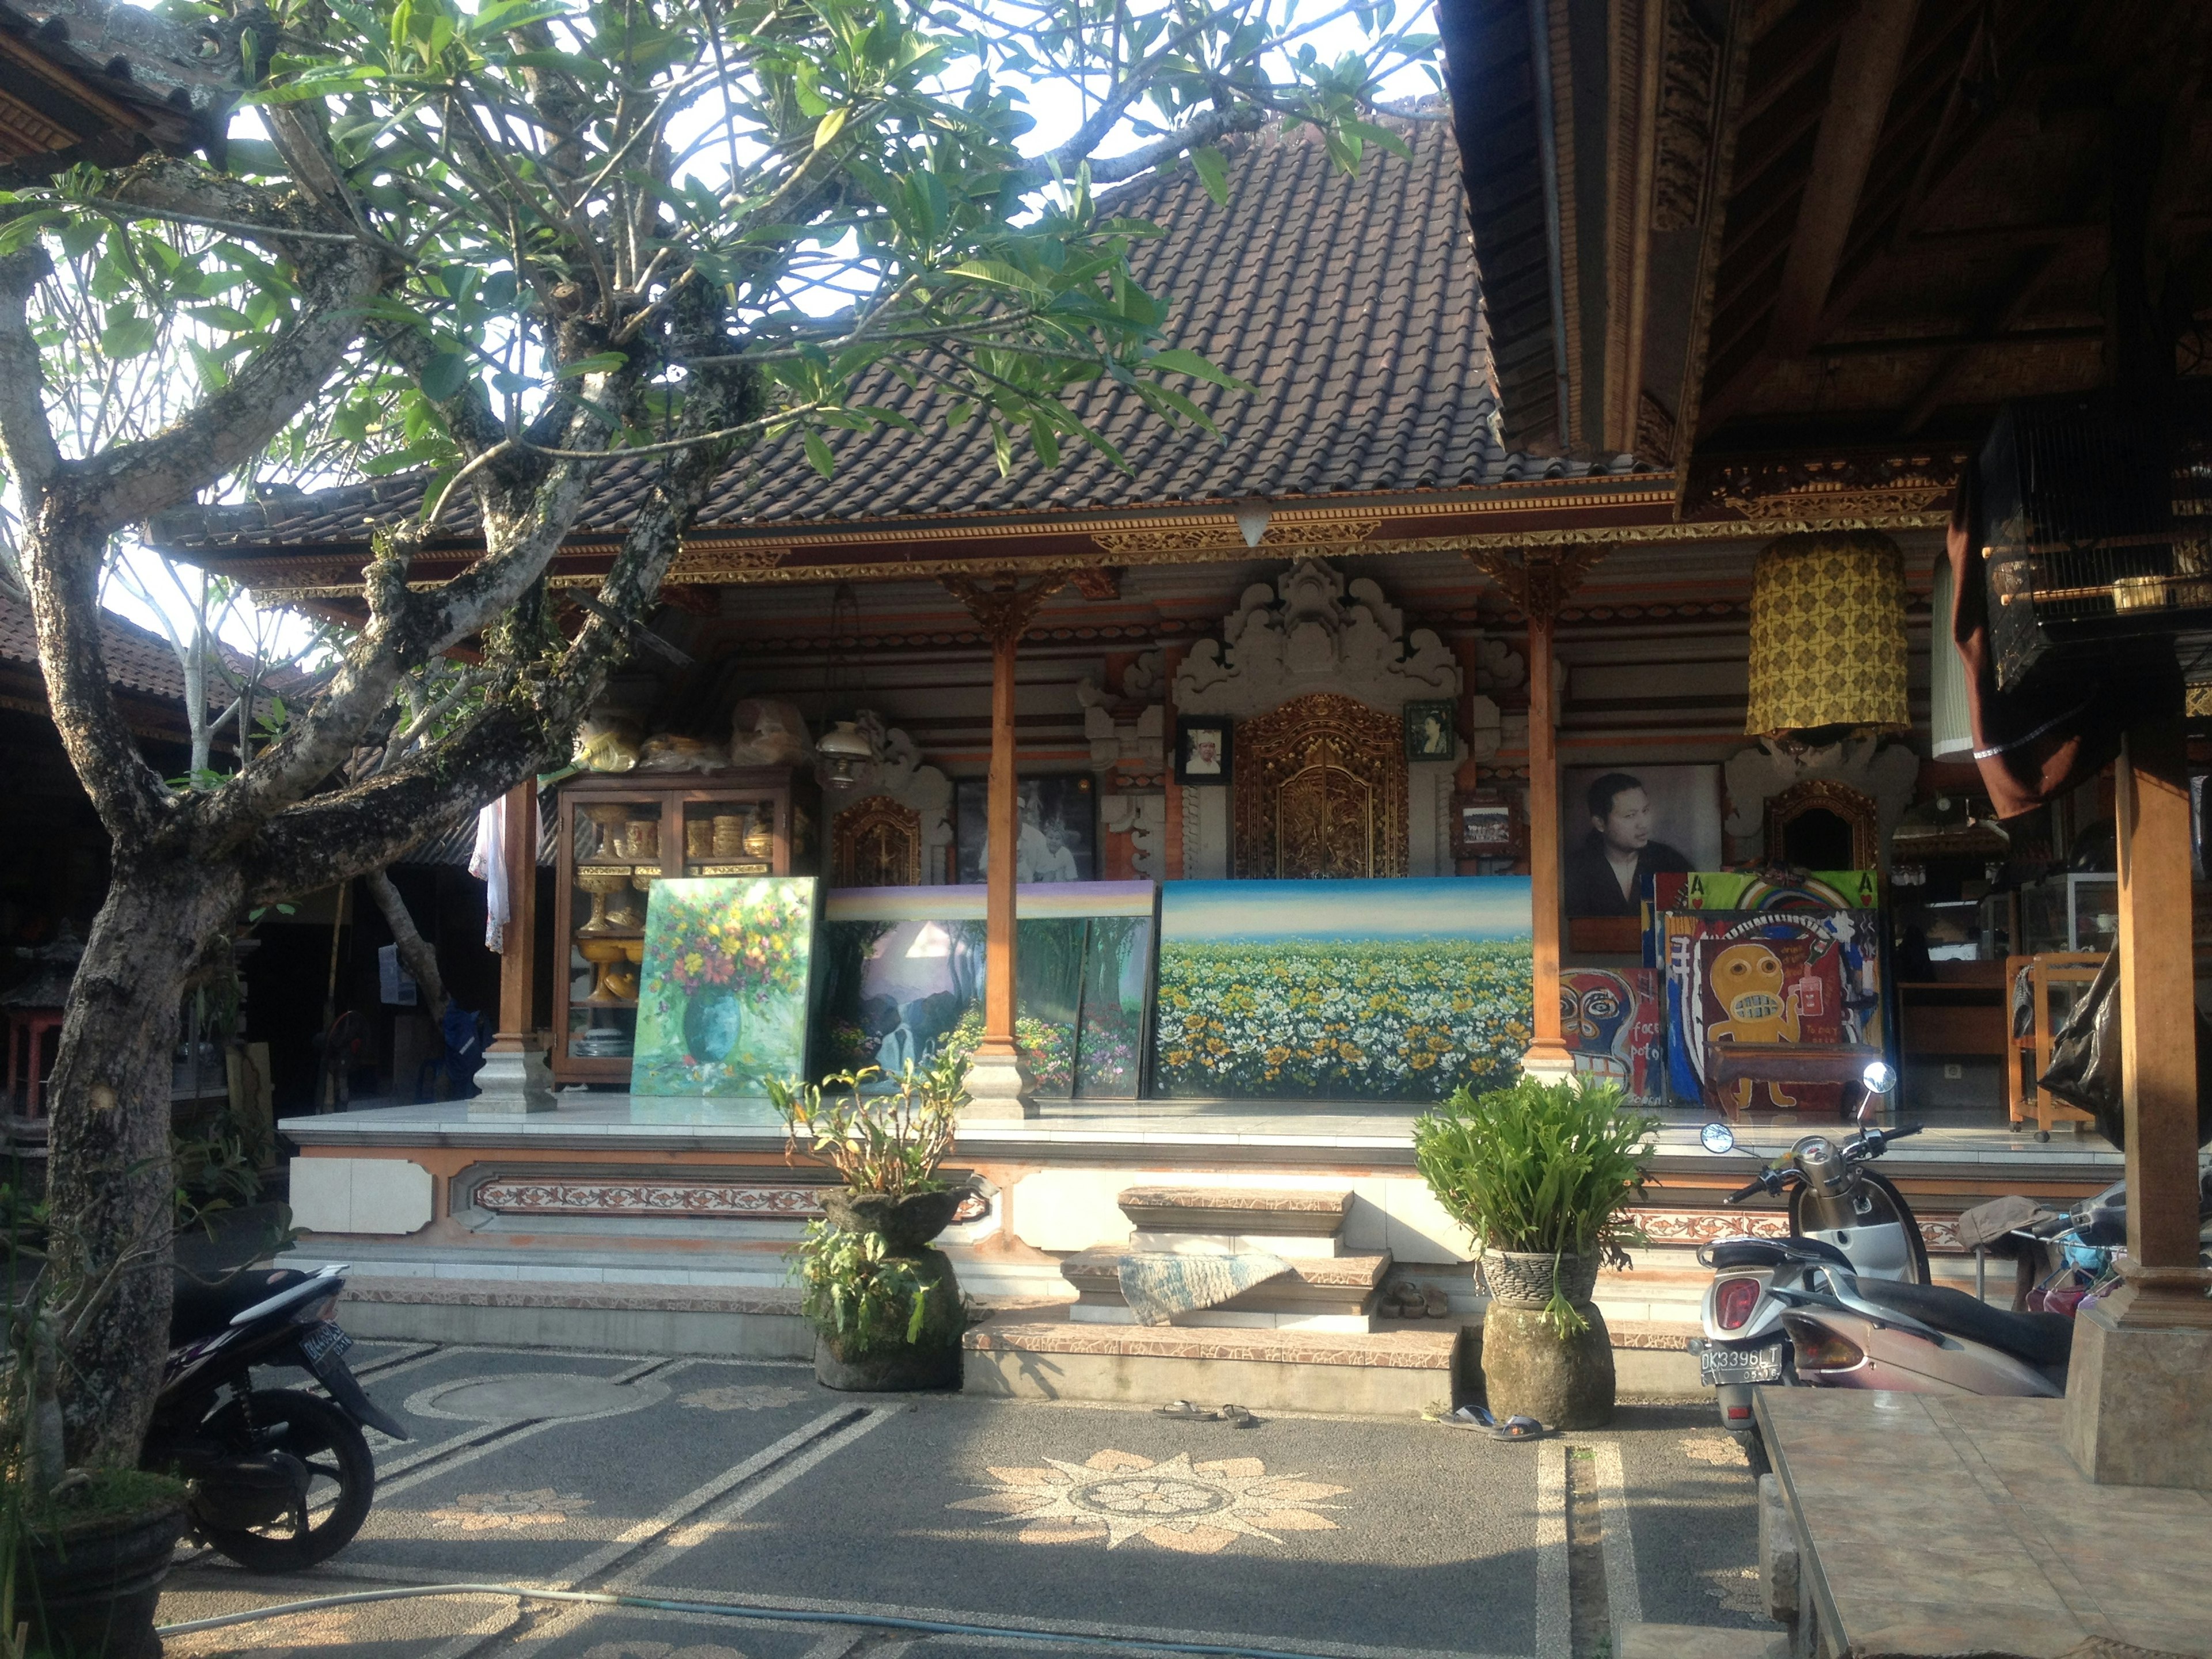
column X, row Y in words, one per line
column 1189, row 1413
column 1479, row 1419
column 1237, row 1417
column 1436, row 1304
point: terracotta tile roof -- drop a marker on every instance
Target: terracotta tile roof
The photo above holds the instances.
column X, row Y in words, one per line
column 1351, row 302
column 99, row 82
column 138, row 660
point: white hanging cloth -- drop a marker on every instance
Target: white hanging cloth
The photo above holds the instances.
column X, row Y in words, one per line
column 488, row 864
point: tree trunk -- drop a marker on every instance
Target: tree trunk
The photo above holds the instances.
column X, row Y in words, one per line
column 110, row 1181
column 416, row 952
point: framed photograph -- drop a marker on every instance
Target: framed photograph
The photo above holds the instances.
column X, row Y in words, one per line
column 1622, row 825
column 1203, row 751
column 1429, row 732
column 1059, row 839
column 1485, row 826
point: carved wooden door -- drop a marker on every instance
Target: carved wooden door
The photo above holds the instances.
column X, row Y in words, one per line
column 1321, row 792
column 876, row 842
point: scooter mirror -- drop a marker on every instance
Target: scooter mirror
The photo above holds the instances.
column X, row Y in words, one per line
column 1718, row 1137
column 1880, row 1076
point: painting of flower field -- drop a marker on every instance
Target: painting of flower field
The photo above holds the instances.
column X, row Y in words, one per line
column 722, row 992
column 1342, row 990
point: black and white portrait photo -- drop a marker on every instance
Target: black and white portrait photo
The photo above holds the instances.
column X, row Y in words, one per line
column 1623, row 825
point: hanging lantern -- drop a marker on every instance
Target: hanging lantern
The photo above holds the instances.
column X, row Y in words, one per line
column 1828, row 634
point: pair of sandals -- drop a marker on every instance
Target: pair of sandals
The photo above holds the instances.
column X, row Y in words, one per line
column 1183, row 1411
column 1478, row 1419
column 1405, row 1300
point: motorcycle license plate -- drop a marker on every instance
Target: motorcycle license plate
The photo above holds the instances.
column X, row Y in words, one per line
column 1718, row 1365
column 323, row 1341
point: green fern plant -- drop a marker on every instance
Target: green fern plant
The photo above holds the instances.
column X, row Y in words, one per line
column 1546, row 1169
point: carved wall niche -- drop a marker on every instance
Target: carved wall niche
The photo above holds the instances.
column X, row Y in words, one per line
column 1813, row 824
column 1321, row 792
column 1312, row 634
column 896, row 775
column 1760, row 777
column 876, row 842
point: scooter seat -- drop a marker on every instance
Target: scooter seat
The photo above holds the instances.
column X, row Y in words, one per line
column 2039, row 1339
column 202, row 1309
column 1774, row 1252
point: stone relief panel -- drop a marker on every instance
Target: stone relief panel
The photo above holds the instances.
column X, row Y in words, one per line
column 1888, row 773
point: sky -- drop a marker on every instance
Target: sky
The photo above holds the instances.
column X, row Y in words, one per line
column 1057, row 110
column 1461, row 907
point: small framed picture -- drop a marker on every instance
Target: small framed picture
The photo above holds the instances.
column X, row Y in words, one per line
column 1485, row 826
column 1429, row 733
column 1202, row 752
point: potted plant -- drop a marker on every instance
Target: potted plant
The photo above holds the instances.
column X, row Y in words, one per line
column 82, row 1552
column 1542, row 1173
column 885, row 1307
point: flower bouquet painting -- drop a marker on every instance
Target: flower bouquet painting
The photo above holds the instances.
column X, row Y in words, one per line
column 723, row 991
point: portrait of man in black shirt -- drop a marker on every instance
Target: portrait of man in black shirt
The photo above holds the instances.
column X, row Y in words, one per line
column 1607, row 872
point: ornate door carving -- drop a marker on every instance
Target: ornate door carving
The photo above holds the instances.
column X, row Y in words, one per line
column 1320, row 790
column 876, row 842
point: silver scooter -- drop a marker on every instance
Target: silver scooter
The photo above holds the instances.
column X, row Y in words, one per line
column 1842, row 1214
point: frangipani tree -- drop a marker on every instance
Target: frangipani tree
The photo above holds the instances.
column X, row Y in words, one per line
column 510, row 244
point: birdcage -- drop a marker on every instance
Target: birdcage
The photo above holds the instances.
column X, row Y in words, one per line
column 2081, row 548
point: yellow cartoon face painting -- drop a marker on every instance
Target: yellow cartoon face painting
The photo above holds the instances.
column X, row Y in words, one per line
column 1751, row 983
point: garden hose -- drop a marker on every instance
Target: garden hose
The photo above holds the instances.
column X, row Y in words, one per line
column 734, row 1610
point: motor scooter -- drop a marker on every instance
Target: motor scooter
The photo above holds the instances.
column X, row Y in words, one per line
column 280, row 1479
column 1842, row 1214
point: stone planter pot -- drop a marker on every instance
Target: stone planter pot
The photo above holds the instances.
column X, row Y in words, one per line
column 1529, row 1370
column 92, row 1590
column 906, row 1225
column 1523, row 1279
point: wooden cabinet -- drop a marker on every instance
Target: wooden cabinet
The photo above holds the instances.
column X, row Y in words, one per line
column 619, row 834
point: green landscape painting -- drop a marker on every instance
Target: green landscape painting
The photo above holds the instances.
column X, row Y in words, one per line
column 1342, row 990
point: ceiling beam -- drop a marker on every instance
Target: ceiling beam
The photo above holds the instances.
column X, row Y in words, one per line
column 1868, row 60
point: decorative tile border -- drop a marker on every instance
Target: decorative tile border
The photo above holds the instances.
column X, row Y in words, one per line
column 628, row 1197
column 1691, row 1228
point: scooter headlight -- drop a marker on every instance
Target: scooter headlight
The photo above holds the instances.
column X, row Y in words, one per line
column 1733, row 1300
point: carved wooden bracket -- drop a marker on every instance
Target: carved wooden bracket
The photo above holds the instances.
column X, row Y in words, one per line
column 1003, row 608
column 1538, row 579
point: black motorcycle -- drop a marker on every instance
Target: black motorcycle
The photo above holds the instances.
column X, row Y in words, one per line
column 280, row 1479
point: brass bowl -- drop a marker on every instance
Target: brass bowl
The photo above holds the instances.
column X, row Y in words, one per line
column 602, row 954
column 599, row 884
column 606, row 819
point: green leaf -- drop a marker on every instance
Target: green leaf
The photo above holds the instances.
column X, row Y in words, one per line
column 818, row 456
column 604, row 362
column 130, row 336
column 1176, row 360
column 829, row 126
column 1212, row 172
column 444, row 375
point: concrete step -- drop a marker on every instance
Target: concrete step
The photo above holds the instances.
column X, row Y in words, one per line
column 1388, row 1373
column 1699, row 1641
column 1236, row 1218
column 1322, row 1293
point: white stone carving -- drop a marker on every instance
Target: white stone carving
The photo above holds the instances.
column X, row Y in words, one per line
column 1130, row 727
column 1312, row 632
column 1142, row 815
column 897, row 771
column 1758, row 774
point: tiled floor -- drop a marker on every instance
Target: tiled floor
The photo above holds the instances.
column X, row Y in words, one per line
column 1949, row 1524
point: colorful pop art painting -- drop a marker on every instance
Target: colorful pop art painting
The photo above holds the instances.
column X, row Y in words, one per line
column 1342, row 990
column 1610, row 1021
column 904, row 972
column 722, row 992
column 1773, row 977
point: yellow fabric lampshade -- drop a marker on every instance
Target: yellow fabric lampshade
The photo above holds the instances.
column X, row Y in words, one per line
column 1828, row 633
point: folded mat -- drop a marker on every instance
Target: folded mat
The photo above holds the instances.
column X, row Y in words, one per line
column 1159, row 1285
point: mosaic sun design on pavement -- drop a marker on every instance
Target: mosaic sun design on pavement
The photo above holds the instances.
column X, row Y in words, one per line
column 1177, row 1505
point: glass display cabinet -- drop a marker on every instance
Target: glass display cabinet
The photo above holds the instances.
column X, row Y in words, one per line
column 620, row 833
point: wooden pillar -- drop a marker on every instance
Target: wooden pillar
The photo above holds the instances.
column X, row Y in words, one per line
column 518, row 957
column 1539, row 580
column 2158, row 1031
column 998, row 1083
column 1003, row 829
column 514, row 1077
